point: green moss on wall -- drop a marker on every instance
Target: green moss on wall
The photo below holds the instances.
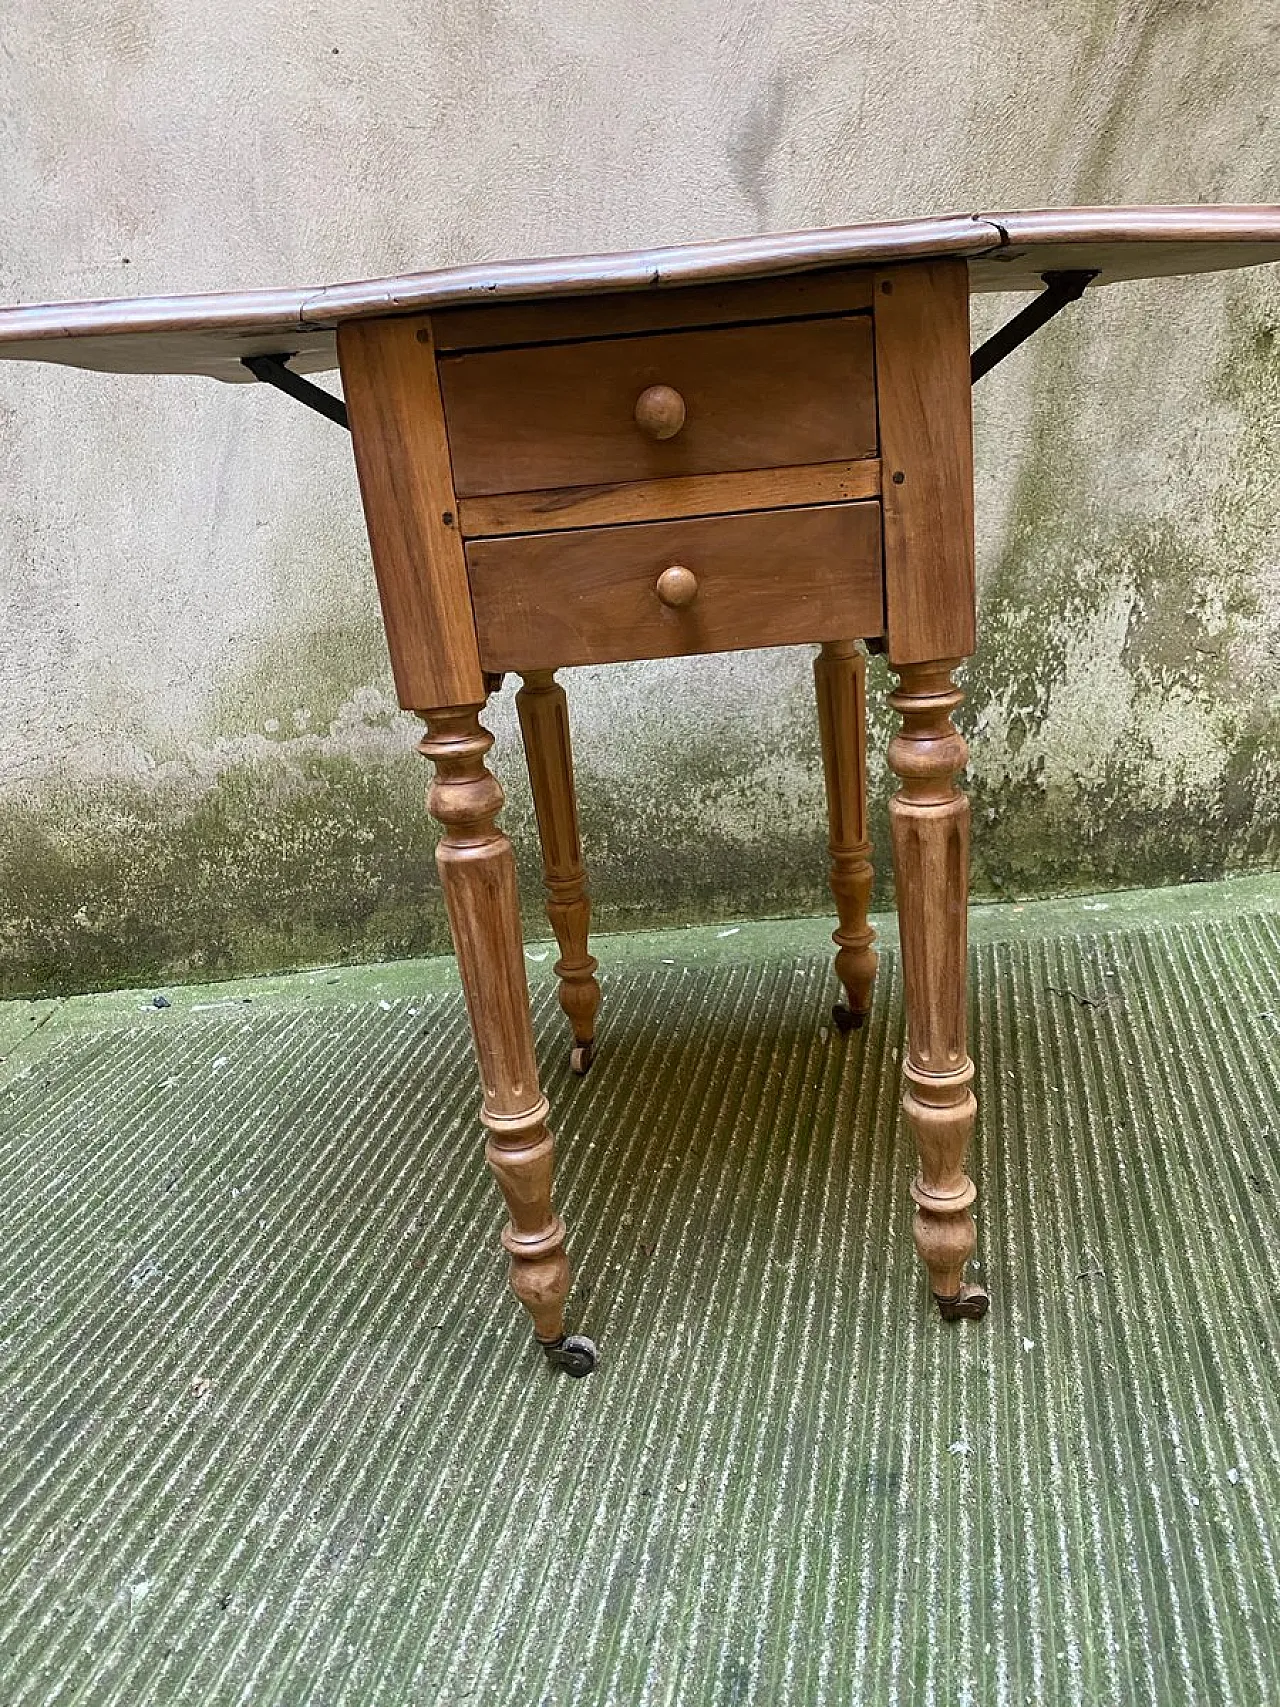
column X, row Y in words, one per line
column 319, row 859
column 1124, row 706
column 271, row 866
column 298, row 856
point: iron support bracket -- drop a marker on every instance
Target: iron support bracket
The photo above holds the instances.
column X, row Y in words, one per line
column 271, row 370
column 1059, row 290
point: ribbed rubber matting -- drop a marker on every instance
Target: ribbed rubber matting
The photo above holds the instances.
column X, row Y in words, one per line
column 271, row 1429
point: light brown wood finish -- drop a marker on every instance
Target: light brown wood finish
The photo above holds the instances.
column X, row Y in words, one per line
column 402, row 459
column 764, row 396
column 803, row 296
column 840, row 679
column 660, row 500
column 478, row 874
column 777, row 578
column 926, row 456
column 785, row 384
column 923, row 392
column 677, row 587
column 209, row 334
column 660, row 411
column 929, row 818
column 544, row 725
column 1120, row 243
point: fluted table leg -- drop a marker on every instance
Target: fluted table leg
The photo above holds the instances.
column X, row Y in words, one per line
column 478, row 874
column 544, row 724
column 840, row 679
column 930, row 824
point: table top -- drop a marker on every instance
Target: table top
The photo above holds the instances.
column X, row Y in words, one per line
column 208, row 334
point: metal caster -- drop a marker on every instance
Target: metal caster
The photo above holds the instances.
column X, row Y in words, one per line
column 845, row 1020
column 970, row 1304
column 581, row 1056
column 575, row 1354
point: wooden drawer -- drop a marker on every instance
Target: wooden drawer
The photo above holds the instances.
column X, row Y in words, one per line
column 772, row 578
column 763, row 396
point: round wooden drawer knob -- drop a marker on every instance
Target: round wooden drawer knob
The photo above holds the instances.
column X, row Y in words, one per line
column 677, row 586
column 660, row 411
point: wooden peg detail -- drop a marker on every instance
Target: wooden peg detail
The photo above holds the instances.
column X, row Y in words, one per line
column 929, row 817
column 840, row 680
column 478, row 874
column 544, row 724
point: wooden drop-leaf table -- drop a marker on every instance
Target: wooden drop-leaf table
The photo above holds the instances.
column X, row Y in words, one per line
column 753, row 443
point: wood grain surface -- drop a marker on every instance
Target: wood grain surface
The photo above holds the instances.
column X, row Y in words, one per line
column 543, row 710
column 756, row 397
column 801, row 296
column 478, row 875
column 402, row 458
column 771, row 579
column 922, row 371
column 929, row 821
column 657, row 500
column 840, row 685
column 1006, row 251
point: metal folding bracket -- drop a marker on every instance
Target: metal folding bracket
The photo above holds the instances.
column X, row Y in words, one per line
column 271, row 370
column 1060, row 289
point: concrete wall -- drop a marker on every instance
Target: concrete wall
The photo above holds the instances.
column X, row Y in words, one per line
column 202, row 764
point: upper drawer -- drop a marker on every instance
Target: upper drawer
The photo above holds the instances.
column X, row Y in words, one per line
column 765, row 396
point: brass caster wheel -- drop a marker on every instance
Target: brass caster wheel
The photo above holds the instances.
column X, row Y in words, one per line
column 970, row 1304
column 846, row 1020
column 581, row 1056
column 574, row 1354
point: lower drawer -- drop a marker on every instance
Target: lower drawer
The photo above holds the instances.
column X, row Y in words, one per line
column 666, row 589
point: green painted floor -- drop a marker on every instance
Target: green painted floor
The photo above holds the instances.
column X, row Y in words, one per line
column 271, row 1430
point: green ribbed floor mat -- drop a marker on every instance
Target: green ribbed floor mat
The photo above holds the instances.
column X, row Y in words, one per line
column 271, row 1429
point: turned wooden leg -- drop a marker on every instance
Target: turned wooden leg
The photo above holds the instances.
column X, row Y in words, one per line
column 840, row 677
column 930, row 823
column 544, row 723
column 478, row 873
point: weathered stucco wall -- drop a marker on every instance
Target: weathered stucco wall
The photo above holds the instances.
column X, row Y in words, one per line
column 201, row 761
